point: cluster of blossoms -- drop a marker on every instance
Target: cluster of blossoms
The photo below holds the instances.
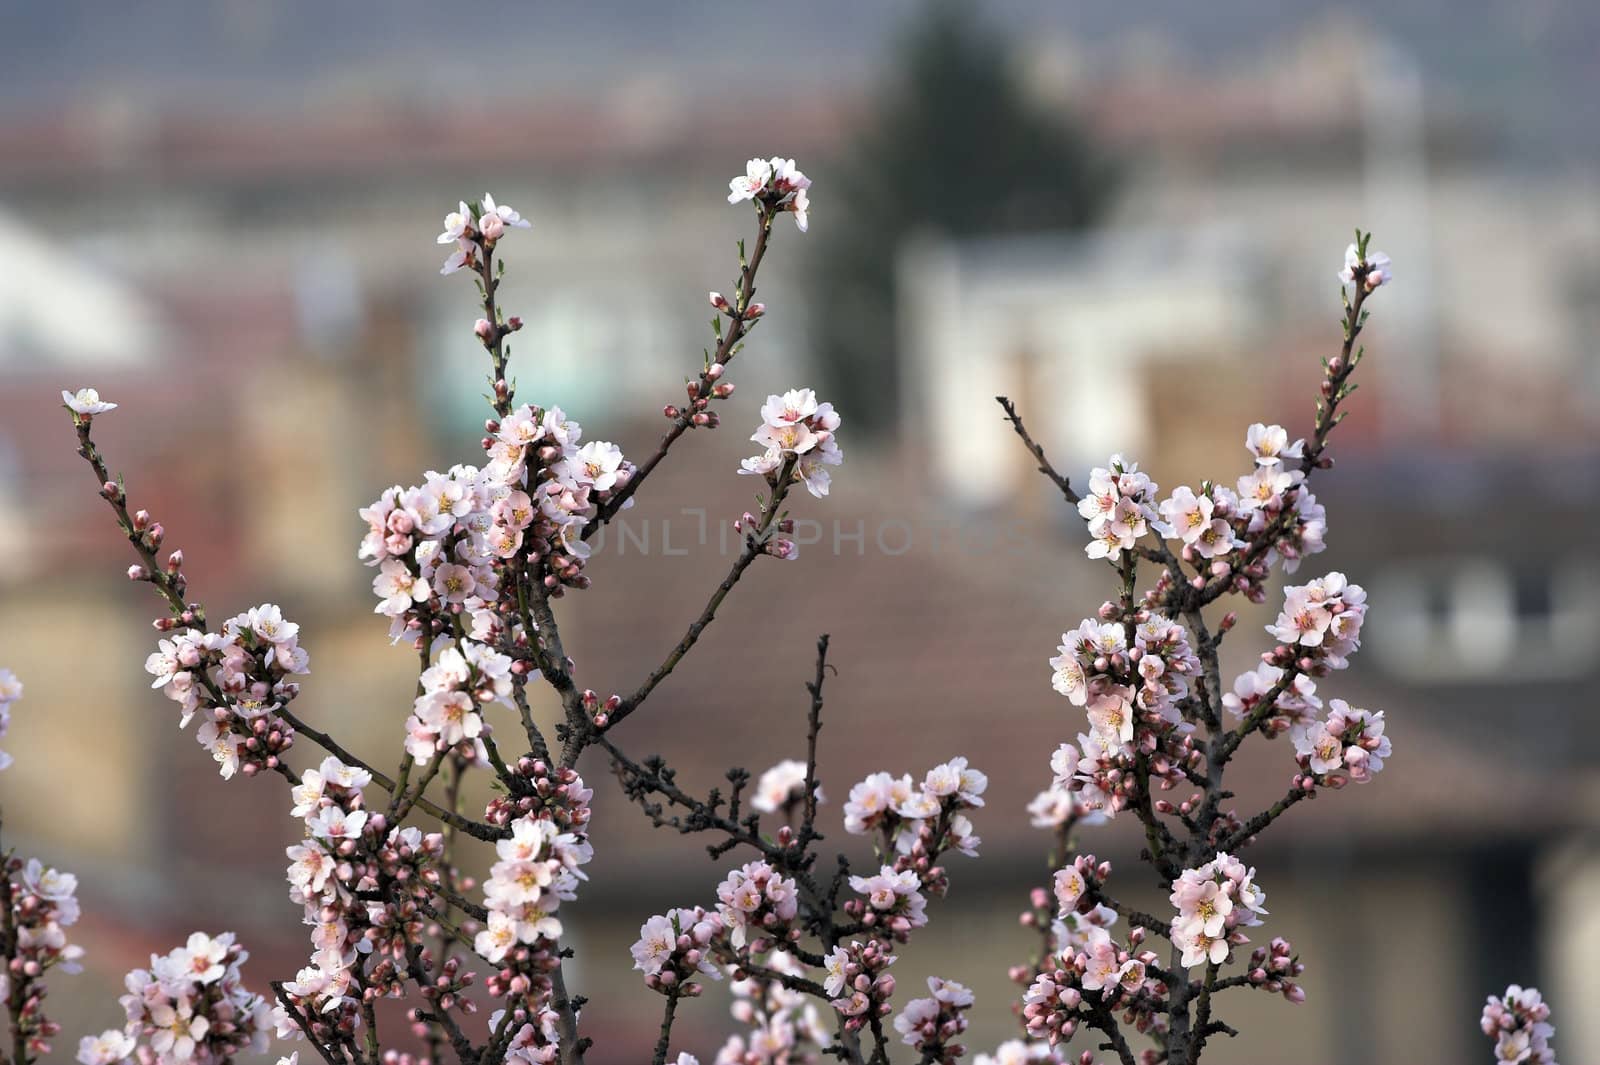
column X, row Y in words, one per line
column 1119, row 507
column 1348, row 745
column 538, row 868
column 1320, row 623
column 912, row 821
column 1123, row 686
column 783, row 787
column 781, row 1026
column 474, row 227
column 798, row 432
column 445, row 715
column 439, row 546
column 359, row 881
column 1133, row 696
column 775, row 185
column 10, row 692
column 858, row 981
column 758, row 905
column 43, row 904
column 1271, row 503
column 1065, row 802
column 1085, row 958
column 242, row 678
column 1519, row 1024
column 1274, row 504
column 891, row 900
column 192, row 1006
column 1213, row 901
column 673, row 947
column 1090, row 962
column 933, row 1024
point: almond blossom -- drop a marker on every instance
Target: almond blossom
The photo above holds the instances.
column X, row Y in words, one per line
column 1519, row 1023
column 775, row 184
column 86, row 402
column 781, row 786
column 186, row 1008
column 797, row 431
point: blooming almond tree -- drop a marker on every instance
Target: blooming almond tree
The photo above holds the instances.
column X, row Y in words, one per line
column 466, row 566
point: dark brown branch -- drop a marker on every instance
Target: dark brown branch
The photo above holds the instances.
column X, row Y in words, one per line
column 1038, row 452
column 664, row 1041
column 1260, row 821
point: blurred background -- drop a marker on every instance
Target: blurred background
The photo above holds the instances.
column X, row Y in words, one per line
column 222, row 216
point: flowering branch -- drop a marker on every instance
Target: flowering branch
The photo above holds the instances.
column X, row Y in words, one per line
column 468, row 565
column 1152, row 689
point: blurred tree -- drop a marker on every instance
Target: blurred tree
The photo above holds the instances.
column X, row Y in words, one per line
column 956, row 148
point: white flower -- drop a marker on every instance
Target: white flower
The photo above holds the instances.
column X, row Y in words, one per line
column 86, row 401
column 309, row 868
column 1069, row 889
column 800, row 207
column 267, row 622
column 757, row 176
column 782, row 784
column 791, row 408
column 835, row 964
column 109, row 1047
column 224, row 747
column 205, row 956
column 457, row 224
column 657, row 940
column 330, row 822
column 497, row 938
column 451, row 716
column 1270, row 444
column 176, row 1029
column 596, row 464
column 466, row 254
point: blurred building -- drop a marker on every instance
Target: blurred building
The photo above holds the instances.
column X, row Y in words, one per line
column 256, row 286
